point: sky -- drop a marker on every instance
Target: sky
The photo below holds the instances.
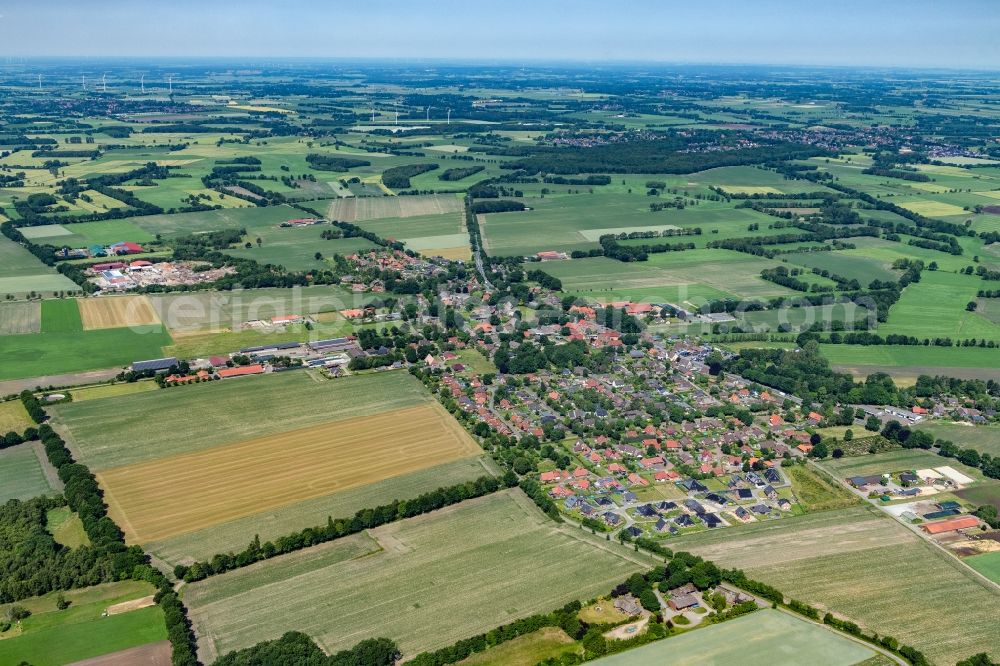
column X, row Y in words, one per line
column 894, row 33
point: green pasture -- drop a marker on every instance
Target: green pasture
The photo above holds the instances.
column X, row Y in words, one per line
column 39, row 354
column 21, row 474
column 767, row 637
column 114, row 431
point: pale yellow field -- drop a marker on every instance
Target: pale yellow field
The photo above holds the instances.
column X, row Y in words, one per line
column 463, row 253
column 750, row 189
column 14, row 417
column 116, row 312
column 164, row 498
column 933, row 208
column 112, row 390
column 992, row 194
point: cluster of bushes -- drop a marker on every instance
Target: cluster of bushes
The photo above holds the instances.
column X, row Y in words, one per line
column 612, row 248
column 398, row 178
column 297, row 648
column 548, row 281
column 334, row 529
column 460, row 172
column 331, row 163
column 496, row 206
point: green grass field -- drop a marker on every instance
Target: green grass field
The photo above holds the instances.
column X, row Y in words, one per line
column 816, row 492
column 985, row 439
column 917, row 357
column 765, row 638
column 296, row 248
column 233, row 535
column 436, row 578
column 21, row 474
column 52, row 637
column 935, row 307
column 987, row 564
column 66, row 527
column 226, row 218
column 21, row 273
column 690, row 276
column 84, row 234
column 115, row 431
column 61, row 316
column 862, row 564
column 13, row 416
column 525, row 650
column 63, row 352
column 895, row 461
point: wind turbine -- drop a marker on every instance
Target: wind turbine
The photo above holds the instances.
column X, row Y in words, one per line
column 104, row 83
column 373, row 112
column 170, row 84
column 142, row 83
column 429, row 113
column 84, row 81
column 449, row 116
column 39, row 81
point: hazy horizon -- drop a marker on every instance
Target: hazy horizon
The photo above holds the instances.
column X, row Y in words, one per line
column 916, row 34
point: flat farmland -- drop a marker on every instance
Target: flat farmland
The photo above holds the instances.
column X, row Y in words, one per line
column 49, row 353
column 159, row 499
column 864, row 269
column 22, row 273
column 935, row 307
column 575, row 222
column 895, row 461
column 464, row 570
column 278, row 521
column 13, row 416
column 61, row 316
column 924, row 360
column 864, row 565
column 767, row 637
column 21, row 475
column 355, row 209
column 985, row 439
column 721, row 271
column 296, row 248
column 115, row 431
column 208, row 311
column 213, row 220
column 20, row 317
column 117, row 312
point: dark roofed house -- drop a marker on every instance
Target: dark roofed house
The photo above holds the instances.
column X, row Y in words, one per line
column 612, row 518
column 683, row 520
column 666, row 505
column 711, row 520
column 908, row 479
column 646, row 510
column 762, row 509
column 744, row 493
column 694, row 505
column 772, row 475
column 633, row 531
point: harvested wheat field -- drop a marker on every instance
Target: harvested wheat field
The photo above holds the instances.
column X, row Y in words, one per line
column 164, row 498
column 116, row 312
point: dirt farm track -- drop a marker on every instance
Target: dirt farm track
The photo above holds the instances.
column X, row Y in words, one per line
column 163, row 498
